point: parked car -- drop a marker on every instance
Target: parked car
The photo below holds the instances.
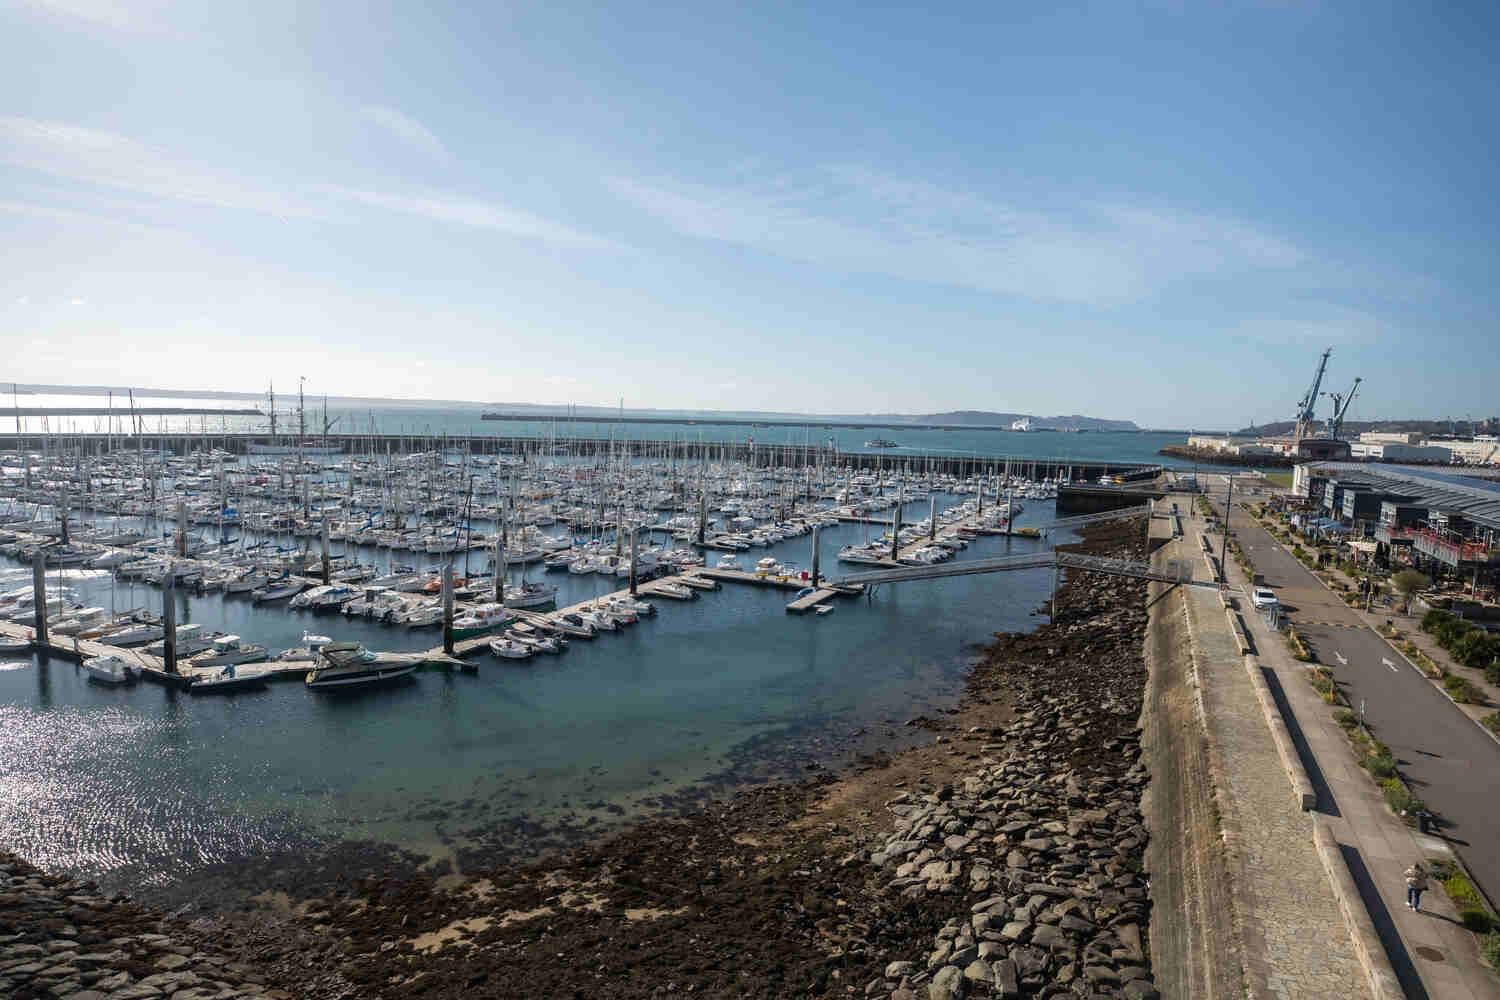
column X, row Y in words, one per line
column 1263, row 597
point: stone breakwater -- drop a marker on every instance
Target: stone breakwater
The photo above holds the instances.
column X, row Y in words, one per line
column 1047, row 836
column 61, row 938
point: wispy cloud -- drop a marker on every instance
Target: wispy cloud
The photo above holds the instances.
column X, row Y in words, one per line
column 860, row 221
column 108, row 159
column 478, row 214
column 408, row 130
column 108, row 13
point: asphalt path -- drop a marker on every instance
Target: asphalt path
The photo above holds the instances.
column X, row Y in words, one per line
column 1449, row 762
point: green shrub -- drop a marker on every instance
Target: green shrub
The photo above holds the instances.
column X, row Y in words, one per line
column 1492, row 722
column 1380, row 767
column 1492, row 671
column 1461, row 690
column 1477, row 920
column 1399, row 798
column 1345, row 718
column 1462, row 891
column 1489, row 947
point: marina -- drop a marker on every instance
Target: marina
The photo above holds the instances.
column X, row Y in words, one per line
column 548, row 691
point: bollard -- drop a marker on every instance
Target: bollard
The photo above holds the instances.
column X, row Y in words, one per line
column 39, row 595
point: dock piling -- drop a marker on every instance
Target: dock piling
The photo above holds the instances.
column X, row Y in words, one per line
column 169, row 619
column 635, row 534
column 448, row 607
column 326, row 571
column 39, row 594
column 816, row 528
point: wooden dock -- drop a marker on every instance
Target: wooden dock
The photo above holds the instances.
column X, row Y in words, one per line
column 78, row 650
column 806, row 603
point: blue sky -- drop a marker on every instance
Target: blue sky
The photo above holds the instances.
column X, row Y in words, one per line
column 1159, row 212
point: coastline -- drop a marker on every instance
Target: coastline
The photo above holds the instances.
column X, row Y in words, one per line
column 1025, row 798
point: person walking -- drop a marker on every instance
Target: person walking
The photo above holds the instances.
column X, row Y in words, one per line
column 1416, row 884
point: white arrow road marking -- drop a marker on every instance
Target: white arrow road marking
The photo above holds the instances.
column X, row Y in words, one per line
column 1343, row 660
column 1389, row 664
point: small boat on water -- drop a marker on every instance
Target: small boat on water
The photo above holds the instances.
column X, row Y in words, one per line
column 111, row 669
column 823, row 609
column 510, row 649
column 538, row 642
column 279, row 590
column 12, row 648
column 676, row 590
column 226, row 680
column 479, row 619
column 308, row 650
column 343, row 666
column 227, row 651
column 530, row 595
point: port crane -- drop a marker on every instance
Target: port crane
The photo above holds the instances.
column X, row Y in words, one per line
column 1305, row 418
column 1341, row 403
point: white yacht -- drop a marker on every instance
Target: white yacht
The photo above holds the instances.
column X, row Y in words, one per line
column 348, row 665
column 228, row 650
column 111, row 669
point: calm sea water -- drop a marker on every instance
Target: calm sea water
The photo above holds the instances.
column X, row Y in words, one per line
column 145, row 786
column 427, row 421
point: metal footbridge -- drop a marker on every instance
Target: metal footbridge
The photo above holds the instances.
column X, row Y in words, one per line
column 1174, row 571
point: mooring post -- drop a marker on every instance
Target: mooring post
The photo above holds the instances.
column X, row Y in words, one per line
column 932, row 519
column 448, row 607
column 815, row 531
column 39, row 595
column 169, row 619
column 181, row 529
column 635, row 534
column 1054, row 586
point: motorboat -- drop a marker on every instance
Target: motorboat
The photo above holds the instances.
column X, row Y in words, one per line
column 530, row 595
column 728, row 561
column 600, row 621
column 12, row 648
column 529, row 636
column 420, row 616
column 479, row 619
column 191, row 640
column 246, row 583
column 676, row 590
column 228, row 650
column 823, row 609
column 573, row 625
column 279, row 590
column 137, row 634
column 111, row 669
column 307, row 599
column 226, row 680
column 308, row 650
column 349, row 665
column 510, row 649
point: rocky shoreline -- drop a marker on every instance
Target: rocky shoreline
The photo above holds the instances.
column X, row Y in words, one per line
column 1002, row 858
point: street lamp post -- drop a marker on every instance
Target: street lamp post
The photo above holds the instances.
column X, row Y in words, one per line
column 1224, row 543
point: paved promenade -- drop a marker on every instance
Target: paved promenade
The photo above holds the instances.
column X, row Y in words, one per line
column 1294, row 937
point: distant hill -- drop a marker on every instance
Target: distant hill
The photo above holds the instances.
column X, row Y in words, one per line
column 1072, row 421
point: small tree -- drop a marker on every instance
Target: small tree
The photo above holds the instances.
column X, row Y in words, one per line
column 1408, row 582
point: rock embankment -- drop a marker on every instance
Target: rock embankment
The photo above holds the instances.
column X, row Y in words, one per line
column 1046, row 837
column 61, row 938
